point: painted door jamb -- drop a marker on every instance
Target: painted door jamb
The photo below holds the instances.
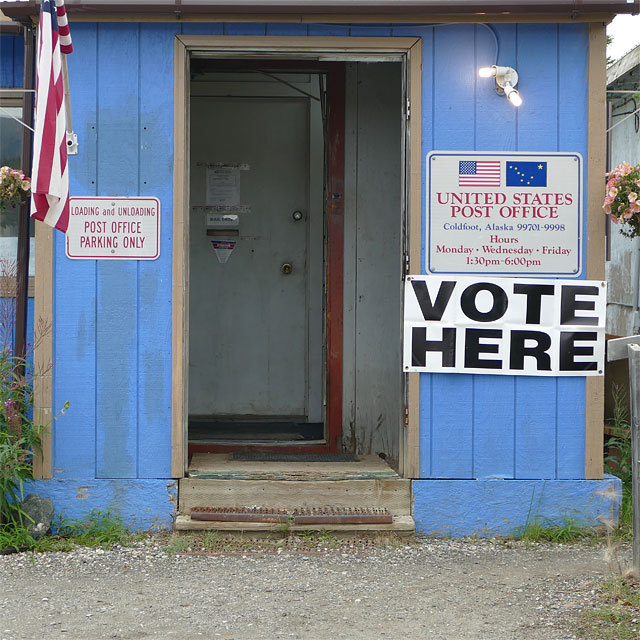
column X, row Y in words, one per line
column 297, row 48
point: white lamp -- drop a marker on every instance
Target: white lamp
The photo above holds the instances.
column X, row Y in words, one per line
column 506, row 79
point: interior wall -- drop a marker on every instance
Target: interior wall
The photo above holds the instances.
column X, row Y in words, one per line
column 373, row 398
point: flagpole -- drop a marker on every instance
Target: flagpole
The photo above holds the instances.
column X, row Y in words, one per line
column 22, row 267
column 67, row 100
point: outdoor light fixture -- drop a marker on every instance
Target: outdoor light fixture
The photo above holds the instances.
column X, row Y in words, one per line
column 506, row 79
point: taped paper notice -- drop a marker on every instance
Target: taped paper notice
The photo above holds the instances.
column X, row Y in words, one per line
column 223, row 186
column 223, row 249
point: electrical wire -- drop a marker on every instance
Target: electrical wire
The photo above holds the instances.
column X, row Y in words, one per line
column 623, row 119
column 423, row 25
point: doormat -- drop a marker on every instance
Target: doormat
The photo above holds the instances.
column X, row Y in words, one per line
column 274, row 456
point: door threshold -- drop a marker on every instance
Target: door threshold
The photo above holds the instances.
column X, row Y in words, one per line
column 241, row 444
column 228, row 446
column 218, row 466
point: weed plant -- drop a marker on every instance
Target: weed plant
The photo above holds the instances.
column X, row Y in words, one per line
column 20, row 436
column 616, row 616
column 617, row 460
column 618, row 612
column 21, row 428
column 97, row 529
column 570, row 530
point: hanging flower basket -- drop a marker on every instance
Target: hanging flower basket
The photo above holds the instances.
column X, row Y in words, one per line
column 14, row 187
column 622, row 201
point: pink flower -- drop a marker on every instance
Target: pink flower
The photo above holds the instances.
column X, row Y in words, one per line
column 613, row 192
column 607, row 208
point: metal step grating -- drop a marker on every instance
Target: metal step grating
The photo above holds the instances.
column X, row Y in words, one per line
column 298, row 516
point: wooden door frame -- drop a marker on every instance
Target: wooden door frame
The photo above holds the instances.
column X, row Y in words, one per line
column 338, row 49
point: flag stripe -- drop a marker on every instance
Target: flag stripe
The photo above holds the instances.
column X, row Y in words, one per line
column 66, row 46
column 49, row 175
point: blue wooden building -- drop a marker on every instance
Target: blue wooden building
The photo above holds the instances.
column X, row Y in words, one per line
column 286, row 146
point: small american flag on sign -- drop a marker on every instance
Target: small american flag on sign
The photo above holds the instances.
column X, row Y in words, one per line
column 479, row 173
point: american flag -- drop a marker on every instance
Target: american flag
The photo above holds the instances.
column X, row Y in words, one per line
column 49, row 174
column 479, row 173
column 66, row 46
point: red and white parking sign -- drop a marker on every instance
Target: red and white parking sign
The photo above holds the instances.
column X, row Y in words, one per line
column 114, row 228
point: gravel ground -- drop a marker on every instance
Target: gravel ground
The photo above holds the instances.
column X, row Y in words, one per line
column 436, row 589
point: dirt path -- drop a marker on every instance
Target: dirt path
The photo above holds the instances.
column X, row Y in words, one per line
column 436, row 589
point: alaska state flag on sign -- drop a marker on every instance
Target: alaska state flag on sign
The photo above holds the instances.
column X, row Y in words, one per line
column 526, row 174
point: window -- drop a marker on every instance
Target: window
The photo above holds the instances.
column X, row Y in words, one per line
column 10, row 152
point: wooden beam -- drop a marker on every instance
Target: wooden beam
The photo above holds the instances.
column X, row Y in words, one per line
column 179, row 312
column 400, row 524
column 43, row 350
column 594, row 410
column 392, row 494
column 412, row 448
column 335, row 254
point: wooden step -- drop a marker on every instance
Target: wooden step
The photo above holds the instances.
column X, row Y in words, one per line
column 219, row 483
column 219, row 466
column 391, row 494
column 400, row 525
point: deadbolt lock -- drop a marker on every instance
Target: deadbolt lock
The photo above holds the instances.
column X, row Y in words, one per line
column 286, row 268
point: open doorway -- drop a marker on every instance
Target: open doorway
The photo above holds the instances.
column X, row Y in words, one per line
column 296, row 255
column 260, row 269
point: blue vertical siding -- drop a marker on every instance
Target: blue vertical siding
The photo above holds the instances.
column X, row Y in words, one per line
column 112, row 344
column 74, row 294
column 245, row 29
column 573, row 50
column 201, row 29
column 327, row 30
column 287, row 29
column 114, row 328
column 494, row 416
column 537, row 130
column 11, row 61
column 499, row 426
column 154, row 276
column 119, row 97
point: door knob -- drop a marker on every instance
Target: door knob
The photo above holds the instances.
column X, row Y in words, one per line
column 286, row 268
